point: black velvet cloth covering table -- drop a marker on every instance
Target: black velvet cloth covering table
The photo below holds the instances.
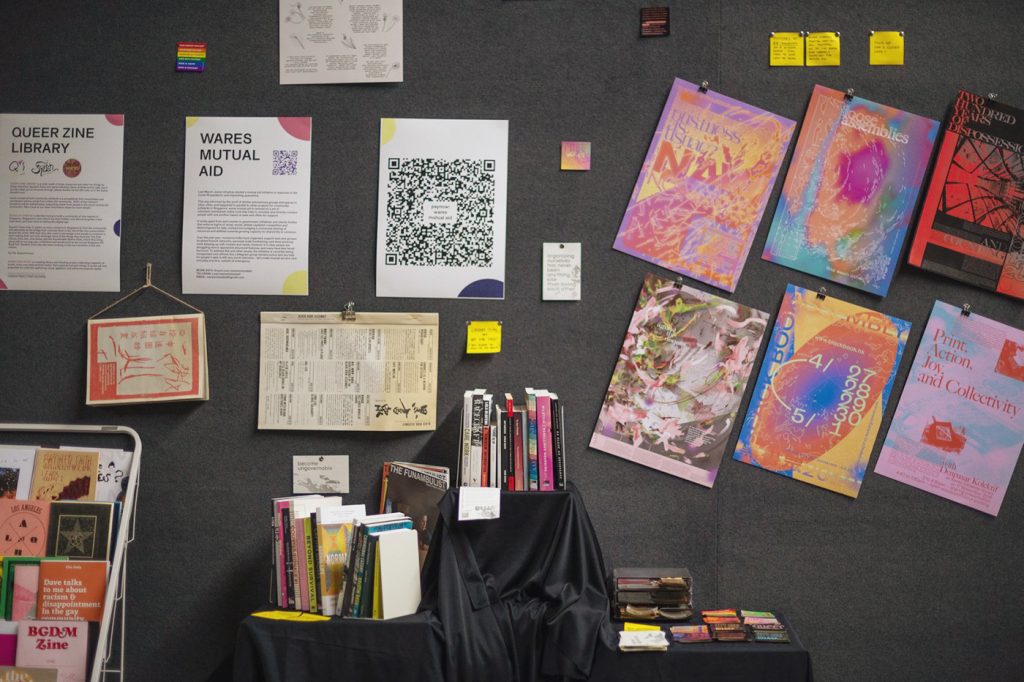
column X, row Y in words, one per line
column 516, row 599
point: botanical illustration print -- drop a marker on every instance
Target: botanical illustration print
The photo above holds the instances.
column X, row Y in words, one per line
column 821, row 392
column 703, row 187
column 851, row 190
column 679, row 380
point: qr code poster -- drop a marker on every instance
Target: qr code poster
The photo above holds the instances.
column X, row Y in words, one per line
column 441, row 208
column 246, row 206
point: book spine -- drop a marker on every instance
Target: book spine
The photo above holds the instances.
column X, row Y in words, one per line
column 531, row 441
column 485, row 457
column 558, row 441
column 301, row 586
column 289, row 556
column 311, row 563
column 275, row 553
column 467, row 436
column 383, row 487
column 315, row 595
column 508, row 477
column 495, row 471
column 349, row 573
column 369, row 578
column 357, row 563
column 545, row 458
column 378, row 596
column 476, row 447
column 517, row 448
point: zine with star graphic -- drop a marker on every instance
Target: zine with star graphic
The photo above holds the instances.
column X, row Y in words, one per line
column 80, row 530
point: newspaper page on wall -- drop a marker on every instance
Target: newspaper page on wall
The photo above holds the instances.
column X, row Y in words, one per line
column 348, row 371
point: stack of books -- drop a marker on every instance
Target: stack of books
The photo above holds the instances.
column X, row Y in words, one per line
column 510, row 446
column 653, row 593
column 59, row 513
column 642, row 640
column 335, row 560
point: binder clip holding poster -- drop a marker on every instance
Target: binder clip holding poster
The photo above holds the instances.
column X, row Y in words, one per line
column 146, row 359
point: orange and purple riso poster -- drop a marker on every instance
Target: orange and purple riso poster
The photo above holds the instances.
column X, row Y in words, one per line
column 820, row 395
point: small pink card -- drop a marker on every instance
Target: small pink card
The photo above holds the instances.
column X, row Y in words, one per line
column 576, row 156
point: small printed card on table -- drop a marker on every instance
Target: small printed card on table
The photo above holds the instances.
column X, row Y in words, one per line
column 479, row 504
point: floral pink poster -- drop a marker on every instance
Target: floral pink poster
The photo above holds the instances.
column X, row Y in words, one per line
column 679, row 380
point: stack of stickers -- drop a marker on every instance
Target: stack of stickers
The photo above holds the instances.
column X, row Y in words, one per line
column 191, row 57
column 728, row 625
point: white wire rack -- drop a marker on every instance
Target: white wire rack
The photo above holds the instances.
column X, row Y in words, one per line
column 104, row 665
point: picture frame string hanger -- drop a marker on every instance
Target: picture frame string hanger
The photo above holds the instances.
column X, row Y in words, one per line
column 147, row 284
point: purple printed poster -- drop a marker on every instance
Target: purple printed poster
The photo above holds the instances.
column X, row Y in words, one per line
column 959, row 427
column 704, row 185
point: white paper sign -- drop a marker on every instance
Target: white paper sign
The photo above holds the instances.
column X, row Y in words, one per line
column 341, row 42
column 478, row 504
column 325, row 474
column 60, row 201
column 563, row 262
column 441, row 198
column 245, row 226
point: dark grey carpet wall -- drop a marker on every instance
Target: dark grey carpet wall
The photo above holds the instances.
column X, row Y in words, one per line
column 895, row 585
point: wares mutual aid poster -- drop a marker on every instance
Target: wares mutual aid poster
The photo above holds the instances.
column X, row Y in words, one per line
column 959, row 427
column 821, row 393
column 850, row 190
column 704, row 185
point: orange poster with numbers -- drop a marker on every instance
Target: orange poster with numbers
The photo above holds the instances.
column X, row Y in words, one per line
column 821, row 393
column 146, row 359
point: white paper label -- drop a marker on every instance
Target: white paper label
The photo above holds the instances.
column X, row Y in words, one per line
column 325, row 474
column 563, row 264
column 444, row 212
column 477, row 504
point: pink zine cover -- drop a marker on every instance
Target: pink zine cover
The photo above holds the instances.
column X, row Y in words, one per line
column 704, row 185
column 957, row 432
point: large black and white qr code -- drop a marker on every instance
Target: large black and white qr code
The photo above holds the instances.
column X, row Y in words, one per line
column 440, row 212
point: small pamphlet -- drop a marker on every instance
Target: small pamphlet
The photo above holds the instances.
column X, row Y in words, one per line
column 479, row 504
column 483, row 337
column 823, row 48
column 642, row 640
column 786, row 48
column 562, row 271
column 885, row 48
column 326, row 474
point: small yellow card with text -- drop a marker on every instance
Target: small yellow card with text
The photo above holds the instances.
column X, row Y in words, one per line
column 786, row 48
column 823, row 48
column 633, row 627
column 483, row 337
column 886, row 48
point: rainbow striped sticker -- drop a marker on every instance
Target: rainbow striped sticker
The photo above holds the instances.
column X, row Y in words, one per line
column 191, row 57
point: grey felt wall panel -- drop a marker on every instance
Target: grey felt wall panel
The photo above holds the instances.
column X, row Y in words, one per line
column 872, row 585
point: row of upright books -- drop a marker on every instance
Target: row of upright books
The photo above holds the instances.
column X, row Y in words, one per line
column 510, row 446
column 337, row 560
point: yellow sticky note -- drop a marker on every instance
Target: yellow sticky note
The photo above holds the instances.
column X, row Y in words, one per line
column 631, row 627
column 483, row 337
column 886, row 48
column 786, row 49
column 290, row 615
column 823, row 49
